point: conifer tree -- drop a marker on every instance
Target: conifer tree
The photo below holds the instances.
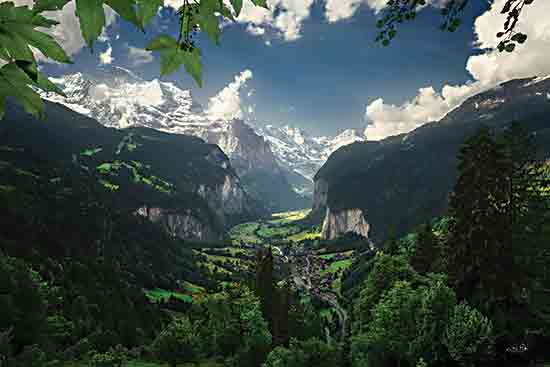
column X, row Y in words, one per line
column 494, row 237
column 426, row 251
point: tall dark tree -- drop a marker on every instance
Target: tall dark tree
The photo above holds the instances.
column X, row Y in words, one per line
column 426, row 251
column 265, row 284
column 491, row 242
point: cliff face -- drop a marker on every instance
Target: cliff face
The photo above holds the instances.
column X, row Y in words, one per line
column 340, row 222
column 207, row 195
column 404, row 180
column 183, row 225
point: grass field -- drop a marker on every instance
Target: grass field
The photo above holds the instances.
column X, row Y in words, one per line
column 158, row 294
column 338, row 265
column 280, row 226
column 288, row 217
column 193, row 288
column 245, row 233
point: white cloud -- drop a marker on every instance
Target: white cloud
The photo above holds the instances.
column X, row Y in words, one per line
column 106, row 58
column 226, row 105
column 284, row 17
column 255, row 30
column 488, row 70
column 139, row 56
column 67, row 32
column 176, row 4
column 336, row 10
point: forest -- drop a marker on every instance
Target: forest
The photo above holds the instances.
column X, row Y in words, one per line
column 152, row 244
column 469, row 288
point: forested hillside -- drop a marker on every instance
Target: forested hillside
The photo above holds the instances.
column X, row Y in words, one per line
column 403, row 180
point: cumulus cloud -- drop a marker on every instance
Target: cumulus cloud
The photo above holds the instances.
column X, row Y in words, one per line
column 106, row 58
column 284, row 17
column 336, row 10
column 226, row 105
column 139, row 56
column 487, row 70
column 67, row 32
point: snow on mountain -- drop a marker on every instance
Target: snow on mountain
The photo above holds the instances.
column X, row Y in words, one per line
column 302, row 153
column 118, row 98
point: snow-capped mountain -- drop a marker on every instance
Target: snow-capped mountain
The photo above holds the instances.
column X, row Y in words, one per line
column 118, row 98
column 302, row 153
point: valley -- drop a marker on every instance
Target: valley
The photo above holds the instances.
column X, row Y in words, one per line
column 310, row 265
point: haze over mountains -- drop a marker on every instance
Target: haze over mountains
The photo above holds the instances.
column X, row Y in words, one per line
column 288, row 156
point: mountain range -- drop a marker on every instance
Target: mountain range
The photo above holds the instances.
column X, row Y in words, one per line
column 379, row 187
column 184, row 184
column 283, row 159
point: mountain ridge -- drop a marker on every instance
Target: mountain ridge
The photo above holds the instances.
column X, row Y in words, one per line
column 403, row 180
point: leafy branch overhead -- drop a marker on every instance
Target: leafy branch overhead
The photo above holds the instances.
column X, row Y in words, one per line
column 23, row 35
column 22, row 27
column 399, row 11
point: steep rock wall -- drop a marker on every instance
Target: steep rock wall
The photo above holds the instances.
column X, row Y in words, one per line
column 340, row 222
column 183, row 225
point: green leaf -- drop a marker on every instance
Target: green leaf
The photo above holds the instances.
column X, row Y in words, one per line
column 147, row 9
column 15, row 82
column 15, row 45
column 91, row 152
column 192, row 62
column 209, row 22
column 42, row 5
column 29, row 68
column 262, row 3
column 40, row 21
column 42, row 41
column 92, row 19
column 126, row 9
column 162, row 42
column 237, row 6
column 172, row 58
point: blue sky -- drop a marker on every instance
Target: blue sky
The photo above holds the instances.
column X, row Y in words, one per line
column 324, row 80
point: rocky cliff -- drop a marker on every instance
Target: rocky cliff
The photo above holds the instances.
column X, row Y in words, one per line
column 206, row 198
column 118, row 98
column 182, row 225
column 404, row 180
column 339, row 222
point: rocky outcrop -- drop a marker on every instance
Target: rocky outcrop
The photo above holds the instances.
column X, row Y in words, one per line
column 340, row 222
column 184, row 225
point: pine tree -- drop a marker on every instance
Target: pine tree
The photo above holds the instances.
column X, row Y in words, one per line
column 265, row 284
column 492, row 240
column 426, row 251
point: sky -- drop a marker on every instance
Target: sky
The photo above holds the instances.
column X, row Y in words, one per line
column 314, row 63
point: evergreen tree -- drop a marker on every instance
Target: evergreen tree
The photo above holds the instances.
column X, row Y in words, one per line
column 426, row 250
column 492, row 241
column 265, row 284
